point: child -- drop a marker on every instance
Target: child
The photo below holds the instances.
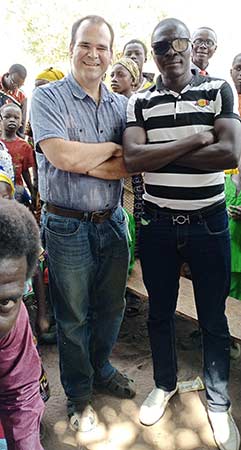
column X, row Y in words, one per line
column 124, row 76
column 10, row 92
column 21, row 406
column 20, row 150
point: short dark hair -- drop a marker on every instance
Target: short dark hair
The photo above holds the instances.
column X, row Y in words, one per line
column 236, row 57
column 171, row 21
column 137, row 41
column 19, row 234
column 10, row 105
column 18, row 68
column 93, row 19
column 206, row 28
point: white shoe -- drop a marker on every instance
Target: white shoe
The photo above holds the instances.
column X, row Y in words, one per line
column 225, row 430
column 84, row 421
column 154, row 406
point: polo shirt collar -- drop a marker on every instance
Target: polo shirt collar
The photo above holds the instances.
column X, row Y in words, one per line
column 195, row 81
column 80, row 93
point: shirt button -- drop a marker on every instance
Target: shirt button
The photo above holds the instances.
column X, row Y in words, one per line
column 109, row 185
column 80, row 130
column 107, row 204
column 101, row 131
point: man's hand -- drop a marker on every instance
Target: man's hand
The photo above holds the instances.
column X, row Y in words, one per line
column 234, row 212
column 118, row 150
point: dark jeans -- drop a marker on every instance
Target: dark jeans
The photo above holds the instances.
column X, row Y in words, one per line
column 203, row 242
column 88, row 266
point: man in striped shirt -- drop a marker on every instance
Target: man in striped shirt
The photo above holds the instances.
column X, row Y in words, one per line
column 182, row 133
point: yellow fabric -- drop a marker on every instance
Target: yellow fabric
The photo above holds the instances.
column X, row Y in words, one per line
column 231, row 171
column 131, row 66
column 6, row 179
column 50, row 74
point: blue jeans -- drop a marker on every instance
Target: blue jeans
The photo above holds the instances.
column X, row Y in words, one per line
column 204, row 243
column 88, row 266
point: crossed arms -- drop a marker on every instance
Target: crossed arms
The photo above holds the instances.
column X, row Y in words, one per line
column 209, row 150
column 100, row 160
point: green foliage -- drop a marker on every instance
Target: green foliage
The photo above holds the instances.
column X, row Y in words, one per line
column 44, row 26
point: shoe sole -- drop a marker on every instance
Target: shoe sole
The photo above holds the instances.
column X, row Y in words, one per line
column 163, row 410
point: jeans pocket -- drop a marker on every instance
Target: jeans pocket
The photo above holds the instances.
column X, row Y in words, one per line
column 217, row 224
column 119, row 216
column 61, row 226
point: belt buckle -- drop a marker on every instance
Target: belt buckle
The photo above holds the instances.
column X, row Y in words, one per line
column 99, row 216
column 180, row 219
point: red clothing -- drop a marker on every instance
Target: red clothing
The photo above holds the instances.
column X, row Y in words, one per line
column 21, row 406
column 16, row 94
column 22, row 156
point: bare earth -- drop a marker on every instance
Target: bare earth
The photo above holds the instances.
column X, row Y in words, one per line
column 184, row 426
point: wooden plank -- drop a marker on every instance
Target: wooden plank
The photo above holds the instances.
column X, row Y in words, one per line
column 186, row 305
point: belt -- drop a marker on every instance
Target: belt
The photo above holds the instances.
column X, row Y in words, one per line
column 93, row 216
column 177, row 217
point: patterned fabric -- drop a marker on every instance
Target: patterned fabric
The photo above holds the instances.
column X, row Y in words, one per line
column 131, row 66
column 182, row 114
column 6, row 163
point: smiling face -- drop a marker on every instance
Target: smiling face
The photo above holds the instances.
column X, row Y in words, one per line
column 172, row 64
column 121, row 80
column 12, row 279
column 91, row 52
column 204, row 44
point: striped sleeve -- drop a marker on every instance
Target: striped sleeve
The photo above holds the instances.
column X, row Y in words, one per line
column 134, row 112
column 225, row 103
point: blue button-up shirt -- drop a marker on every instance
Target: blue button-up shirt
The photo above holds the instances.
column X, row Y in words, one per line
column 63, row 110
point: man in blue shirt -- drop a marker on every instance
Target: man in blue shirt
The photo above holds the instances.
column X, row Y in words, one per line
column 78, row 125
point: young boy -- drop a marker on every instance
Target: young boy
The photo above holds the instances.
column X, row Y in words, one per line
column 20, row 151
column 10, row 91
column 21, row 406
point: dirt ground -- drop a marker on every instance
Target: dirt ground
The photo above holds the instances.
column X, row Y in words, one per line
column 184, row 425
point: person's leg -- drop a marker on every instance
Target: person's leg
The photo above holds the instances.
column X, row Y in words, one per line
column 109, row 288
column 22, row 426
column 161, row 263
column 72, row 273
column 209, row 260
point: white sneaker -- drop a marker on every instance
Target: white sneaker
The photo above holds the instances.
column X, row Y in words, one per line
column 84, row 421
column 225, row 431
column 154, row 406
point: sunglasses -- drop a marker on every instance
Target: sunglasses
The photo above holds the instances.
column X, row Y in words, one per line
column 178, row 45
column 207, row 42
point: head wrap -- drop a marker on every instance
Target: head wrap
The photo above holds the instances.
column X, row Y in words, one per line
column 4, row 177
column 131, row 66
column 50, row 74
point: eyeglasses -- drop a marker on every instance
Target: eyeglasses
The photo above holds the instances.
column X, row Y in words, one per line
column 178, row 45
column 207, row 42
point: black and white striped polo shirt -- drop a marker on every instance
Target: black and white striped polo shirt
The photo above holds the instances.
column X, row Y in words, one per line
column 168, row 116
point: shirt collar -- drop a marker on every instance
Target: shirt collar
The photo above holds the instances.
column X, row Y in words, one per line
column 80, row 93
column 195, row 81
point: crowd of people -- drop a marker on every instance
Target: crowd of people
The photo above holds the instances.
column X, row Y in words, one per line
column 174, row 136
